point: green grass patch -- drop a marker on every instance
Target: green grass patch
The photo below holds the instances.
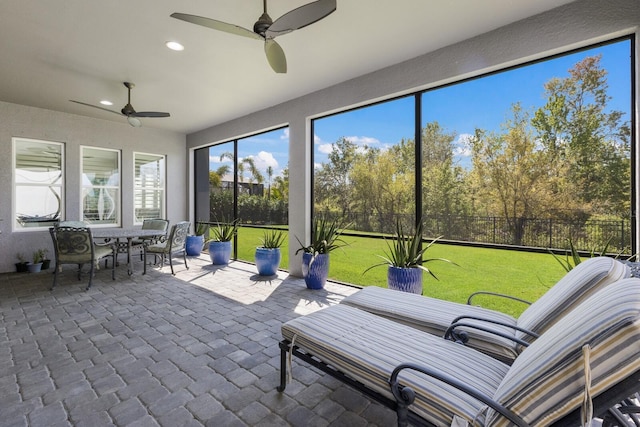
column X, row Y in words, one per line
column 525, row 275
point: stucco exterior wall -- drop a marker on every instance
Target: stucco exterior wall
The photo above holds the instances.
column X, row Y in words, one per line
column 74, row 131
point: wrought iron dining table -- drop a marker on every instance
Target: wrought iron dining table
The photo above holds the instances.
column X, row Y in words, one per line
column 123, row 239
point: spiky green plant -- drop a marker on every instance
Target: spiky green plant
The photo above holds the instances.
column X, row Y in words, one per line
column 222, row 231
column 573, row 258
column 272, row 238
column 325, row 237
column 407, row 251
column 201, row 228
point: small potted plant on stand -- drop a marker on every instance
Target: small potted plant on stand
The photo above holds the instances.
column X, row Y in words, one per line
column 325, row 238
column 405, row 261
column 268, row 255
column 219, row 240
column 195, row 243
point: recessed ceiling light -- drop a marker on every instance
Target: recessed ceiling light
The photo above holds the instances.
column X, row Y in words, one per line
column 106, row 102
column 174, row 46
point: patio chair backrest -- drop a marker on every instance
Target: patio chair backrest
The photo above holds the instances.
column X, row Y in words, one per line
column 599, row 339
column 155, row 224
column 178, row 236
column 577, row 285
column 72, row 245
column 72, row 224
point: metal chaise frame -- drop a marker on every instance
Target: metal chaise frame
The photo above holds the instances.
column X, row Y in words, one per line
column 602, row 404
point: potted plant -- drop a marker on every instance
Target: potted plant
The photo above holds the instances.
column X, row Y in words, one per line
column 405, row 260
column 325, row 238
column 219, row 239
column 21, row 265
column 195, row 243
column 36, row 265
column 268, row 255
column 46, row 262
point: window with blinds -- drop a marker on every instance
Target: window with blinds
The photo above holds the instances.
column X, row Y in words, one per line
column 149, row 186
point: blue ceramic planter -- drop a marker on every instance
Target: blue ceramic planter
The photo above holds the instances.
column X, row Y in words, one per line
column 194, row 245
column 405, row 279
column 315, row 270
column 267, row 261
column 220, row 252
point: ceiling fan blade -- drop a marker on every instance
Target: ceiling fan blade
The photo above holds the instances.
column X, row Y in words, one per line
column 95, row 106
column 217, row 25
column 301, row 17
column 150, row 114
column 275, row 56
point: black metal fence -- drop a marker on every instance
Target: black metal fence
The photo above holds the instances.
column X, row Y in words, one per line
column 552, row 233
column 588, row 235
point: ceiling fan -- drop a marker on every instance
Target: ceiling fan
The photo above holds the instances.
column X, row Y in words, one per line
column 266, row 29
column 128, row 111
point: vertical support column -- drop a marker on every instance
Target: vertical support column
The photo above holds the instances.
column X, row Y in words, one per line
column 300, row 188
column 201, row 185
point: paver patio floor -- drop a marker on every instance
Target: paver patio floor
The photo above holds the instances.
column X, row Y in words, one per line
column 198, row 348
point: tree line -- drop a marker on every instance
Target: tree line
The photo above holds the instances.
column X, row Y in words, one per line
column 568, row 159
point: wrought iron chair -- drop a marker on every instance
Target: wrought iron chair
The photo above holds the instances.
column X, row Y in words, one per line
column 75, row 245
column 174, row 244
column 151, row 224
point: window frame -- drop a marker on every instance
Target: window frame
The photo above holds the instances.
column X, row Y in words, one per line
column 15, row 227
column 118, row 209
column 163, row 189
column 634, row 142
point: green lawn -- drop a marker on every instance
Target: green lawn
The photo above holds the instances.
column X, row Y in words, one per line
column 523, row 274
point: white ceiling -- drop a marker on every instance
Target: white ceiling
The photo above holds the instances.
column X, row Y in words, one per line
column 57, row 50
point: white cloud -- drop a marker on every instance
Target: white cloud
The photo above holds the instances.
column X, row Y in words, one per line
column 216, row 159
column 263, row 160
column 285, row 134
column 325, row 148
column 362, row 140
column 462, row 146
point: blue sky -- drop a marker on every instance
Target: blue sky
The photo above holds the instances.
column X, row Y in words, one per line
column 481, row 103
column 266, row 149
column 484, row 103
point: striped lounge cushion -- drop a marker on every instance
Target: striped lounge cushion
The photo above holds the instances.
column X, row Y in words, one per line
column 367, row 348
column 547, row 380
column 576, row 286
column 434, row 316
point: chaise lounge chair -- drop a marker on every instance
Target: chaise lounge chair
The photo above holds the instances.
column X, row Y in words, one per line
column 494, row 333
column 578, row 368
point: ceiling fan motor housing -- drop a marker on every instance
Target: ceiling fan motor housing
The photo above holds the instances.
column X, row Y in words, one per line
column 262, row 24
column 128, row 110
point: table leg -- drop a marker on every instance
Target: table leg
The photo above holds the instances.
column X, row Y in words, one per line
column 129, row 266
